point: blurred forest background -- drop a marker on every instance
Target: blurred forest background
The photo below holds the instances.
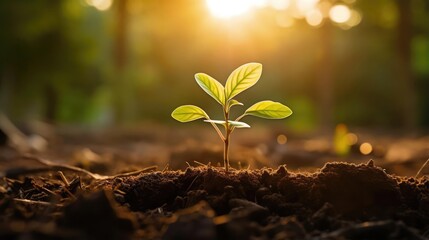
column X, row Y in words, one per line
column 115, row 62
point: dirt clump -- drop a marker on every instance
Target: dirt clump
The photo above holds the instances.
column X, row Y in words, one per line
column 360, row 191
column 333, row 198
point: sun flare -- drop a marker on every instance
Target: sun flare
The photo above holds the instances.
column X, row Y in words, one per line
column 229, row 8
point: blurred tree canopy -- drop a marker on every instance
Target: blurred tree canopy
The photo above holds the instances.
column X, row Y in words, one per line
column 50, row 61
column 66, row 61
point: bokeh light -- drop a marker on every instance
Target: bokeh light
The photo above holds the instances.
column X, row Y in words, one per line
column 352, row 138
column 340, row 13
column 101, row 5
column 313, row 12
column 306, row 5
column 281, row 139
column 314, row 17
column 365, row 148
column 324, row 7
column 355, row 18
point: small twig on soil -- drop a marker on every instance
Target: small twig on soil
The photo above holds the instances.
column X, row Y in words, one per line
column 63, row 178
column 47, row 191
column 421, row 169
column 192, row 183
column 199, row 163
column 133, row 173
column 189, row 165
column 37, row 202
column 69, row 193
column 59, row 167
column 80, row 183
column 166, row 167
column 66, row 185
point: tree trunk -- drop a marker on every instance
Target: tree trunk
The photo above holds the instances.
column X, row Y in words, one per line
column 119, row 84
column 406, row 93
column 325, row 81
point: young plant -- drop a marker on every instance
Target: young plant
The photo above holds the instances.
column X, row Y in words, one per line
column 239, row 80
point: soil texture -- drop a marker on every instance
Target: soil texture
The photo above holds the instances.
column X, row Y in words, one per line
column 338, row 201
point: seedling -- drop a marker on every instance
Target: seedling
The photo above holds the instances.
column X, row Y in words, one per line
column 239, row 80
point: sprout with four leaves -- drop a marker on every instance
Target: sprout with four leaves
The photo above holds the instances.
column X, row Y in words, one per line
column 240, row 79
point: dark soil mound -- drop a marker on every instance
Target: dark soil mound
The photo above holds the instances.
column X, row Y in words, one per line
column 331, row 203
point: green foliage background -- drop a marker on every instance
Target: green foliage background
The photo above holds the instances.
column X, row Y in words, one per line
column 59, row 62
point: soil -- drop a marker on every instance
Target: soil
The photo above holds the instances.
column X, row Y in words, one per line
column 339, row 200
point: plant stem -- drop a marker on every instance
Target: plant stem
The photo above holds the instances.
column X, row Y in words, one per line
column 238, row 119
column 226, row 140
column 225, row 154
column 217, row 130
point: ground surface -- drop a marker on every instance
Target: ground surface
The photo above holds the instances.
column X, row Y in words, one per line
column 188, row 196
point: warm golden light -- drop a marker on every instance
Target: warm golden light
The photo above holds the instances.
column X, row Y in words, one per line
column 314, row 17
column 324, row 8
column 259, row 3
column 281, row 139
column 101, row 5
column 229, row 8
column 284, row 20
column 306, row 5
column 365, row 148
column 279, row 4
column 340, row 13
column 355, row 18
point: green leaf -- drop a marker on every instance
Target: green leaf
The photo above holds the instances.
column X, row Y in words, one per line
column 242, row 78
column 220, row 122
column 239, row 124
column 233, row 102
column 232, row 123
column 269, row 109
column 187, row 113
column 211, row 87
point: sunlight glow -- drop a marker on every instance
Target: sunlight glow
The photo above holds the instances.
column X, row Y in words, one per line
column 229, row 8
column 259, row 3
column 324, row 8
column 279, row 4
column 306, row 5
column 340, row 13
column 101, row 5
column 313, row 12
column 355, row 18
column 314, row 17
column 284, row 20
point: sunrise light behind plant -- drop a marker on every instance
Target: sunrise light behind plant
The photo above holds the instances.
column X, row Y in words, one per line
column 314, row 12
